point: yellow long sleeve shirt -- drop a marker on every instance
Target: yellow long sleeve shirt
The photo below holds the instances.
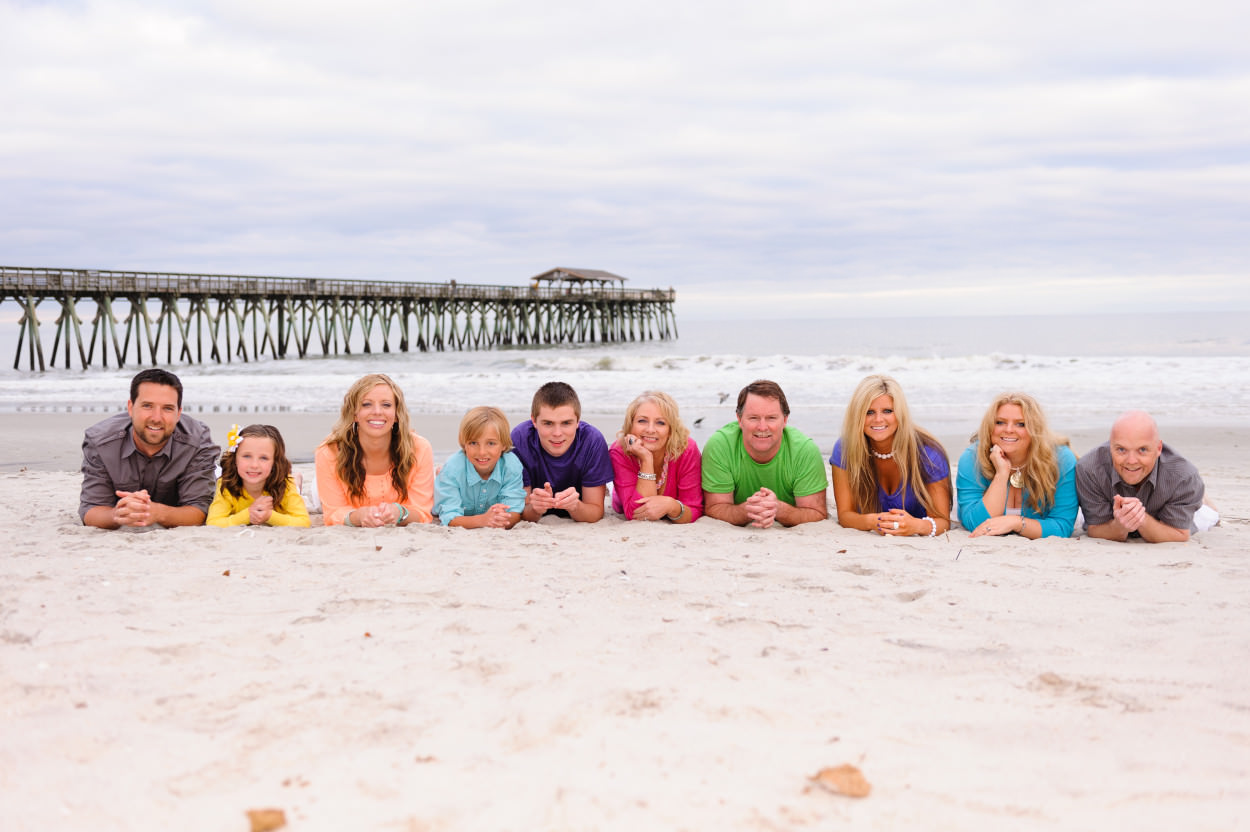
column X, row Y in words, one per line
column 228, row 510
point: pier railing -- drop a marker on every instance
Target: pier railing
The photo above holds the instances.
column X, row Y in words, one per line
column 191, row 318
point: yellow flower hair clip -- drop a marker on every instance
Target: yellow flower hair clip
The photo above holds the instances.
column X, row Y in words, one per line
column 232, row 438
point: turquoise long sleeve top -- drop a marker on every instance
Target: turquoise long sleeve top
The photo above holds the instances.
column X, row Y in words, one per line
column 1056, row 522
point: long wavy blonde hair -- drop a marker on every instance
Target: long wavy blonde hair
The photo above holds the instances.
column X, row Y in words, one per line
column 909, row 443
column 349, row 458
column 1040, row 470
column 678, row 433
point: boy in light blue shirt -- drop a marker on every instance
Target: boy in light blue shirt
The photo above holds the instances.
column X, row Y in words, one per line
column 481, row 485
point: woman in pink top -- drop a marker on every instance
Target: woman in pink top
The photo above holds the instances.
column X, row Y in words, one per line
column 656, row 464
column 373, row 470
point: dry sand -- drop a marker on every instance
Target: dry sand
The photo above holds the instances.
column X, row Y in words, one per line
column 616, row 676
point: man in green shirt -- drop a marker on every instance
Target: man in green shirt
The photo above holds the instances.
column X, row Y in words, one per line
column 758, row 471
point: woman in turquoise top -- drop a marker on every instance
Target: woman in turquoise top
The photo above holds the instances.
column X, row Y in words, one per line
column 1017, row 477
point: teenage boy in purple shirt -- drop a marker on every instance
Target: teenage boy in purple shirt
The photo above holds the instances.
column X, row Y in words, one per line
column 566, row 465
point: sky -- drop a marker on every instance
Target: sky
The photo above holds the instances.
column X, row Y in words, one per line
column 783, row 159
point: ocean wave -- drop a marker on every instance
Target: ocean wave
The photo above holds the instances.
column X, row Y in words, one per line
column 944, row 392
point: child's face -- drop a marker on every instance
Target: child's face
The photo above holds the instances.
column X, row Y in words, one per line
column 254, row 459
column 557, row 428
column 484, row 451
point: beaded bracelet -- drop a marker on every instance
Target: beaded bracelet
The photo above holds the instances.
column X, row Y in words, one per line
column 643, row 476
column 932, row 527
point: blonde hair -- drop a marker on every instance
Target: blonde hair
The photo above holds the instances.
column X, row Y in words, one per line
column 909, row 443
column 478, row 419
column 349, row 457
column 1040, row 469
column 678, row 433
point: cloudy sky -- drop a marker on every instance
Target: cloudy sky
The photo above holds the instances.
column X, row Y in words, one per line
column 783, row 159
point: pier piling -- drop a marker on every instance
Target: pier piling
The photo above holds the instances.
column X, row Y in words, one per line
column 193, row 318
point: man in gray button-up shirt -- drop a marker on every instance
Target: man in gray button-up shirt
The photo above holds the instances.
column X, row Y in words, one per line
column 1136, row 486
column 150, row 465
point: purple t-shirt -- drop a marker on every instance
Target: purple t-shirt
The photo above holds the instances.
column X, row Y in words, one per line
column 934, row 466
column 584, row 465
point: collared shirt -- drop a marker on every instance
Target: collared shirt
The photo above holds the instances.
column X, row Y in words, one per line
column 460, row 491
column 180, row 474
column 1171, row 492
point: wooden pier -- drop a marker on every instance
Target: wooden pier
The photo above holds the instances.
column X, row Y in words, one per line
column 157, row 318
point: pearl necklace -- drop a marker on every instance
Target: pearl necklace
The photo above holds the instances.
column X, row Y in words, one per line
column 890, row 455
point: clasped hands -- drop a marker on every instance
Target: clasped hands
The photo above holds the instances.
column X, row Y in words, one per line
column 893, row 522
column 1129, row 512
column 761, row 508
column 544, row 499
column 134, row 508
column 371, row 517
column 261, row 509
column 497, row 516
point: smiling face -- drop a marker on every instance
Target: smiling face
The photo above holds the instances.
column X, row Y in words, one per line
column 484, row 451
column 763, row 424
column 1010, row 432
column 557, row 428
column 153, row 415
column 880, row 423
column 253, row 457
column 651, row 428
column 1135, row 445
column 375, row 417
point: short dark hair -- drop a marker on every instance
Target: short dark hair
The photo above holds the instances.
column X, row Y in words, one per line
column 766, row 389
column 555, row 394
column 155, row 376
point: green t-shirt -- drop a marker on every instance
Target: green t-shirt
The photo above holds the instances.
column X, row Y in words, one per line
column 798, row 469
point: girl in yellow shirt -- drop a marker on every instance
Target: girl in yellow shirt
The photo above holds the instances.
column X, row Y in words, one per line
column 256, row 486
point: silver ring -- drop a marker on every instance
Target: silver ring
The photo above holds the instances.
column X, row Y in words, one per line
column 896, row 525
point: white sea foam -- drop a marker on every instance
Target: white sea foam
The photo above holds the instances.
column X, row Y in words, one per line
column 947, row 390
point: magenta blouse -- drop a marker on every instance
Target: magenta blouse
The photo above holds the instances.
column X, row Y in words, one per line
column 684, row 483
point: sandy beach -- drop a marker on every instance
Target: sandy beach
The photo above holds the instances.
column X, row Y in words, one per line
column 616, row 676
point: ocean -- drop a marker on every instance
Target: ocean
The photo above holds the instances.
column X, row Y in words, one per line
column 1187, row 369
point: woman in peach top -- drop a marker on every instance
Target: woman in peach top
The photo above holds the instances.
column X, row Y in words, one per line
column 373, row 470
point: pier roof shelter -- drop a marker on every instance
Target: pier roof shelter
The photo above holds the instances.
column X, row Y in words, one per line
column 561, row 276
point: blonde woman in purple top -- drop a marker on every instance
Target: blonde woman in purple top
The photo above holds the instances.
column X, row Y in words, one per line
column 656, row 465
column 890, row 476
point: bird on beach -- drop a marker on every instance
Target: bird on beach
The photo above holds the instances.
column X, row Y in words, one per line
column 697, row 422
column 723, row 396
